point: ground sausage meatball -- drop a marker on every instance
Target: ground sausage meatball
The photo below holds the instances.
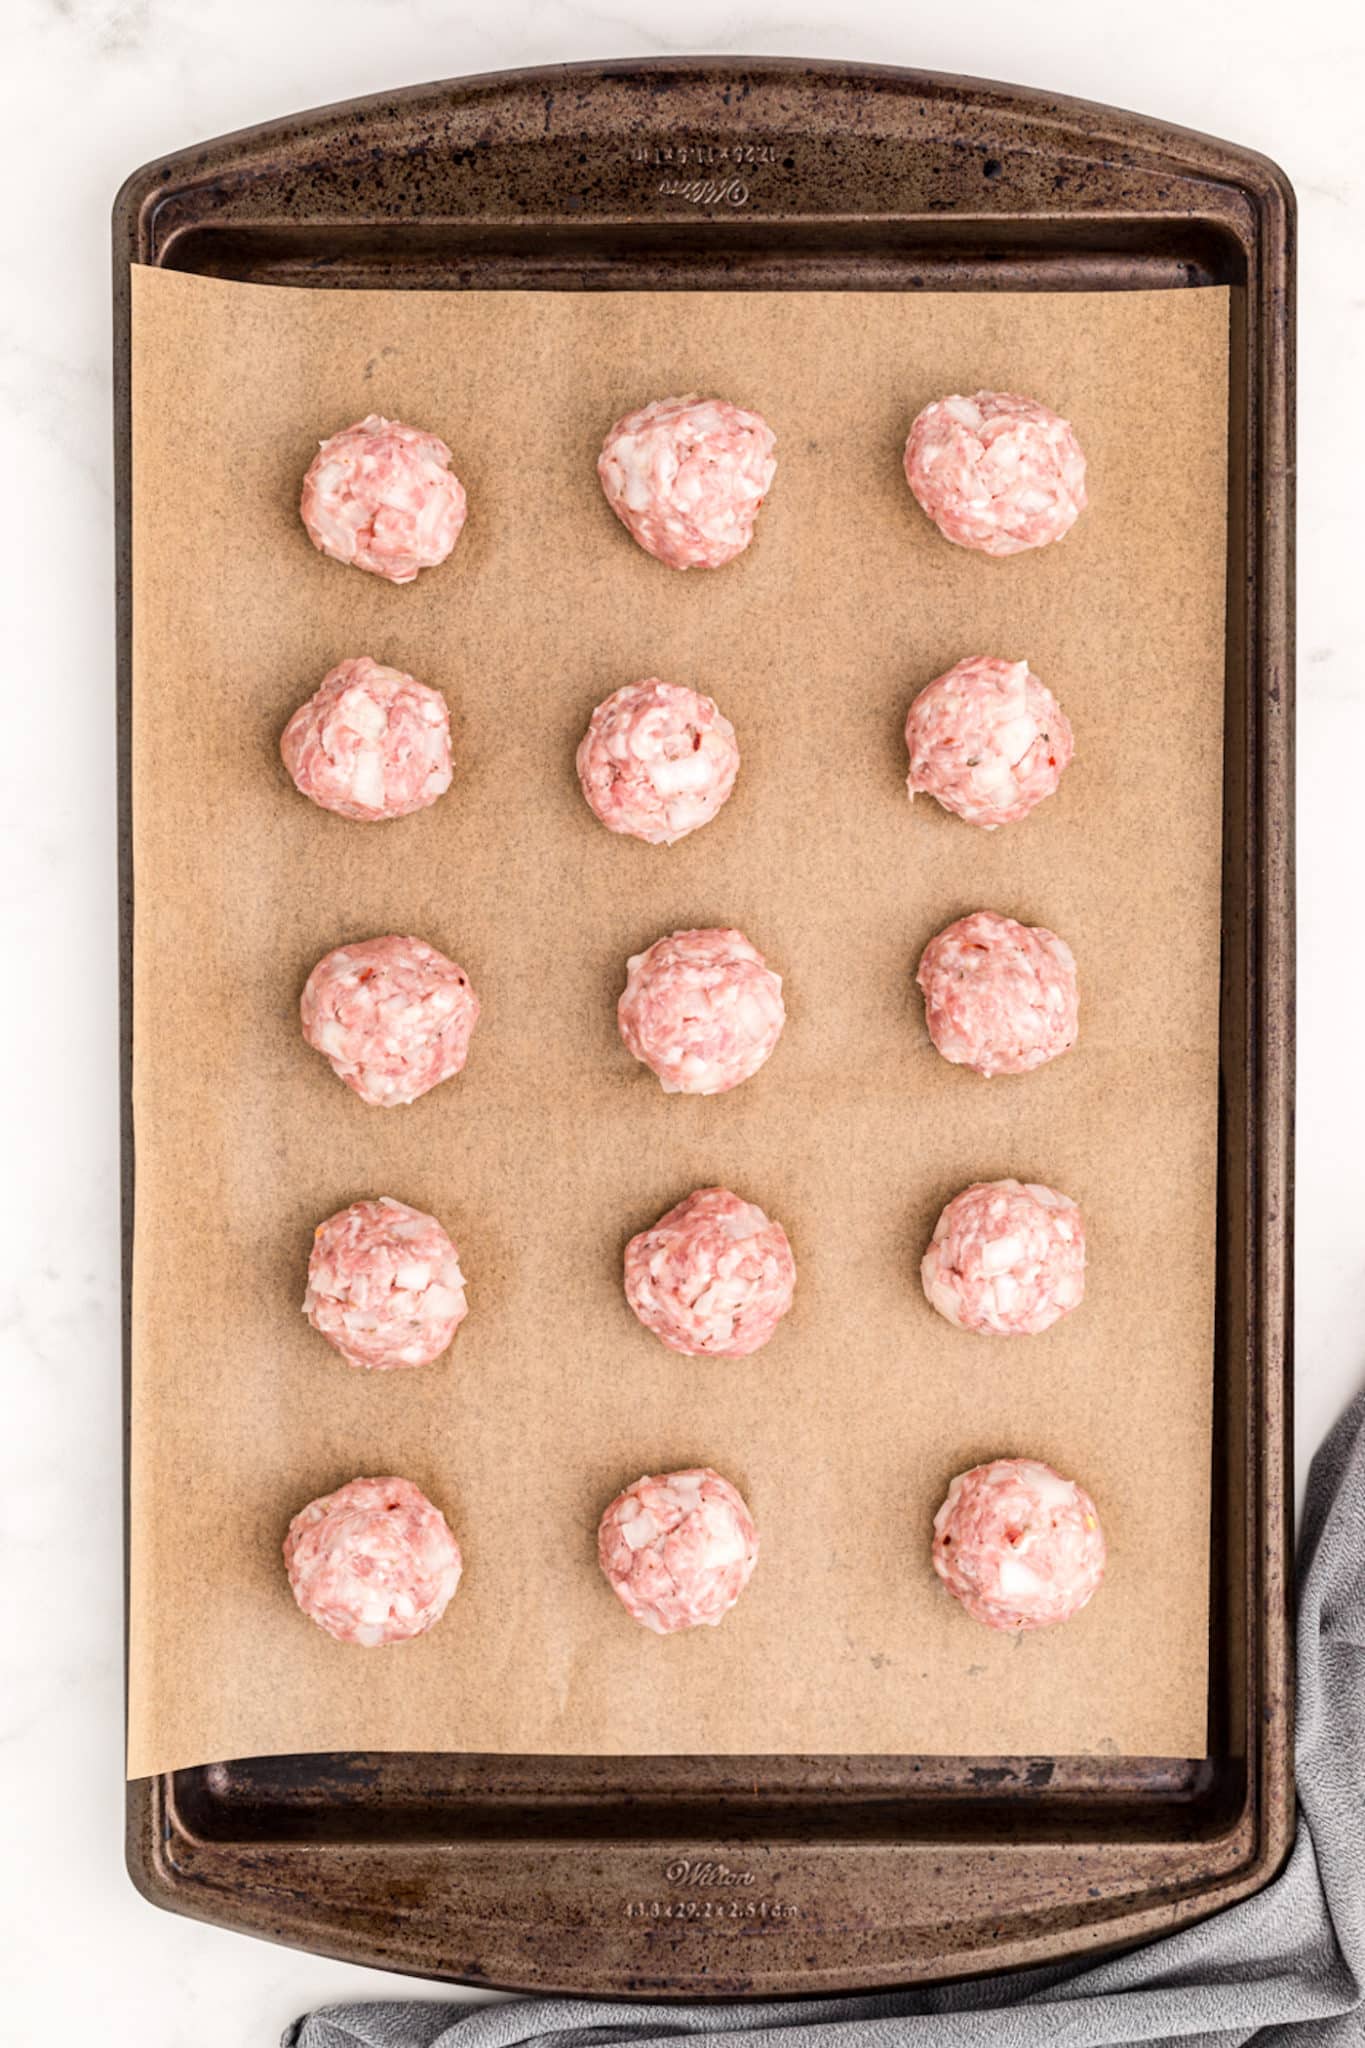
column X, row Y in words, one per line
column 657, row 760
column 1006, row 1259
column 713, row 1278
column 383, row 497
column 987, row 740
column 393, row 1016
column 686, row 476
column 999, row 997
column 372, row 1563
column 702, row 1009
column 1018, row 1545
column 995, row 472
column 384, row 1285
column 370, row 743
column 678, row 1549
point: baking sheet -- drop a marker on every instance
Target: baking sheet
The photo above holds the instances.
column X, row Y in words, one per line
column 554, row 1146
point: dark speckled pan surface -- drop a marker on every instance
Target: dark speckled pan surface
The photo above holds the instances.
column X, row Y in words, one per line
column 698, row 1877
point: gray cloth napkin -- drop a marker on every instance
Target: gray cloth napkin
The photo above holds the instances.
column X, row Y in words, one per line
column 1286, row 1967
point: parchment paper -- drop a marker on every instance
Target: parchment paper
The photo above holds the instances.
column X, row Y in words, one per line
column 554, row 1146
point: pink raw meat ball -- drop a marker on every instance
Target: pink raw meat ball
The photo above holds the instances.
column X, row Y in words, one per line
column 999, row 997
column 383, row 497
column 678, row 1549
column 713, row 1278
column 1018, row 1545
column 392, row 1016
column 372, row 1563
column 1007, row 1259
column 686, row 477
column 384, row 1285
column 996, row 472
column 702, row 1010
column 657, row 761
column 370, row 743
column 987, row 740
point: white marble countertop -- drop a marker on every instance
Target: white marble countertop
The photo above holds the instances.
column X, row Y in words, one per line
column 92, row 88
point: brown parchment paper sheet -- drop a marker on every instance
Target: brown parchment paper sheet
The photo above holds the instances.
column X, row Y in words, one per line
column 554, row 1146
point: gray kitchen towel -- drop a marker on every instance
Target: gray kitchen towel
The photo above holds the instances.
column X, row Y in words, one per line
column 1283, row 1969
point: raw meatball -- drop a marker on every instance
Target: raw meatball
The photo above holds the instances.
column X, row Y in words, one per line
column 687, row 476
column 702, row 1010
column 713, row 1278
column 1007, row 1258
column 987, row 741
column 657, row 761
column 999, row 997
column 678, row 1549
column 373, row 1562
column 384, row 1285
column 383, row 497
column 995, row 472
column 1018, row 1545
column 393, row 1016
column 370, row 743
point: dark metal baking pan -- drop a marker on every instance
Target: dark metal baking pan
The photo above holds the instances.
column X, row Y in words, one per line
column 764, row 1876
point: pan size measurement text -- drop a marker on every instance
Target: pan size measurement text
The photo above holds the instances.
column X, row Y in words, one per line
column 704, row 156
column 712, row 1912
